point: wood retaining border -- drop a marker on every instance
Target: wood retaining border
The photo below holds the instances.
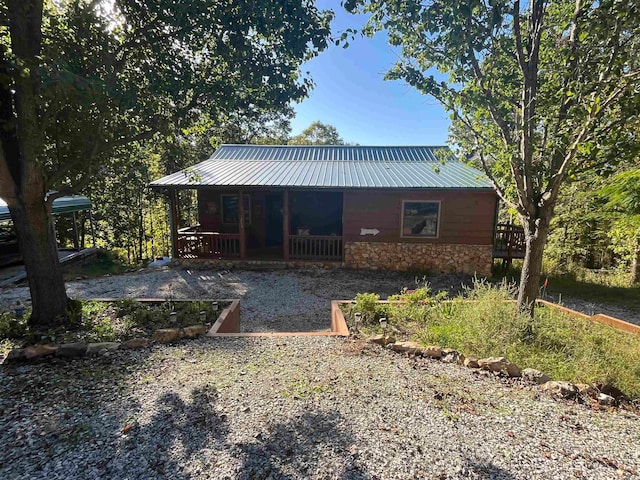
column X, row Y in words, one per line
column 228, row 314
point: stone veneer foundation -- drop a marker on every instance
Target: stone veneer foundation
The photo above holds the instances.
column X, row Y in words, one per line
column 439, row 257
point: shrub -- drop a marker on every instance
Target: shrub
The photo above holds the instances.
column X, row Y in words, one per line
column 367, row 305
column 11, row 327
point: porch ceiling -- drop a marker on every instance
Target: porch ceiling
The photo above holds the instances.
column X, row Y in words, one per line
column 328, row 167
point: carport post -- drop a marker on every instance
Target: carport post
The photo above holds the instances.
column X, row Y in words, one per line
column 76, row 239
column 93, row 230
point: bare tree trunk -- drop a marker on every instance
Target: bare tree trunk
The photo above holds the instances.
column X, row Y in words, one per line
column 635, row 266
column 536, row 233
column 39, row 249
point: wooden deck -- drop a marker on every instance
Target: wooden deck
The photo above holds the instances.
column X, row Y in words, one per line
column 509, row 242
column 15, row 273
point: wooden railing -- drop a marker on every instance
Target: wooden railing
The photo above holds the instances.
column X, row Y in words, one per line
column 194, row 244
column 509, row 241
column 315, row 247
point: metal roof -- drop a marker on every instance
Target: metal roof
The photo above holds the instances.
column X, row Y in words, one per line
column 334, row 166
column 72, row 203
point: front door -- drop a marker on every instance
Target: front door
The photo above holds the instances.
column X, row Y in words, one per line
column 273, row 219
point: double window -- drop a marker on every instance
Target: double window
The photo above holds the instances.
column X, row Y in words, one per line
column 420, row 219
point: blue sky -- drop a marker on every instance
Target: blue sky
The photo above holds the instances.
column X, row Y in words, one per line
column 352, row 95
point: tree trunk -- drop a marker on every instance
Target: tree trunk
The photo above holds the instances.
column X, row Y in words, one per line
column 635, row 266
column 34, row 226
column 536, row 233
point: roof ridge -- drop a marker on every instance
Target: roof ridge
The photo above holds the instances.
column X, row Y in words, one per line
column 253, row 145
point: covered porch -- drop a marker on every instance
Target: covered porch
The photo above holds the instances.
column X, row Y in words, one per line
column 268, row 224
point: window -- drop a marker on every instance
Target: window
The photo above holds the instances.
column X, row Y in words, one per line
column 230, row 209
column 420, row 219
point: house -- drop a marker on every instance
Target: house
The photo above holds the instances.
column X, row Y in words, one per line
column 395, row 208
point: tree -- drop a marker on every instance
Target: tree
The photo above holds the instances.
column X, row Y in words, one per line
column 318, row 133
column 542, row 91
column 81, row 78
column 623, row 195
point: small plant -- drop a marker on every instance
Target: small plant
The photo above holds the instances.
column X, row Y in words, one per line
column 11, row 327
column 367, row 305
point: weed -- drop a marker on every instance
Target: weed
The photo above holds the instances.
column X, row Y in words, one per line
column 303, row 388
column 483, row 321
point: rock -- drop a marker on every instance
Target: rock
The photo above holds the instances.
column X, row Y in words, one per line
column 587, row 390
column 561, row 389
column 96, row 348
column 471, row 362
column 378, row 339
column 76, row 349
column 16, row 354
column 194, row 331
column 166, row 335
column 39, row 351
column 406, row 347
column 611, row 391
column 607, row 400
column 433, row 351
column 449, row 355
column 535, row 376
column 499, row 364
column 135, row 343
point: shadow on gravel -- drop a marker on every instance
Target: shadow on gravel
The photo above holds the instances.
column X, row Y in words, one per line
column 294, row 449
column 185, row 439
column 489, row 470
column 185, row 428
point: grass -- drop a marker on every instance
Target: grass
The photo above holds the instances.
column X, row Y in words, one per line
column 564, row 347
column 608, row 287
column 94, row 321
column 105, row 262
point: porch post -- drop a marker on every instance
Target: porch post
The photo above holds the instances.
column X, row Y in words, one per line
column 173, row 220
column 243, row 240
column 285, row 224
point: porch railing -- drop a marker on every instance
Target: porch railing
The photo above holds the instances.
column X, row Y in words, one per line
column 509, row 241
column 194, row 244
column 315, row 247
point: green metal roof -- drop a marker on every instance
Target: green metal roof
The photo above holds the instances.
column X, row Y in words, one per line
column 73, row 203
column 334, row 166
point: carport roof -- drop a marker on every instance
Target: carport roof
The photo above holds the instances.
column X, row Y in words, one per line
column 330, row 166
column 72, row 203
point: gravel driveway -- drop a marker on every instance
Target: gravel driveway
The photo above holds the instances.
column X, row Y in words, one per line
column 295, row 408
column 272, row 300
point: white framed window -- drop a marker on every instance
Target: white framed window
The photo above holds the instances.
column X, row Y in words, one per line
column 229, row 210
column 420, row 218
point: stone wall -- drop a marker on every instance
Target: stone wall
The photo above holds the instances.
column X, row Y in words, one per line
column 435, row 257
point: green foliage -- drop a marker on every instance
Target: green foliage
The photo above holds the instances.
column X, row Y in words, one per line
column 539, row 93
column 367, row 305
column 87, row 83
column 11, row 327
column 96, row 321
column 486, row 323
column 318, row 133
column 483, row 321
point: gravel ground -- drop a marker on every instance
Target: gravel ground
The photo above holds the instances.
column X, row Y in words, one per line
column 273, row 300
column 295, row 408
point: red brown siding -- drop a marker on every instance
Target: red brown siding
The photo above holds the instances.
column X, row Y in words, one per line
column 466, row 216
